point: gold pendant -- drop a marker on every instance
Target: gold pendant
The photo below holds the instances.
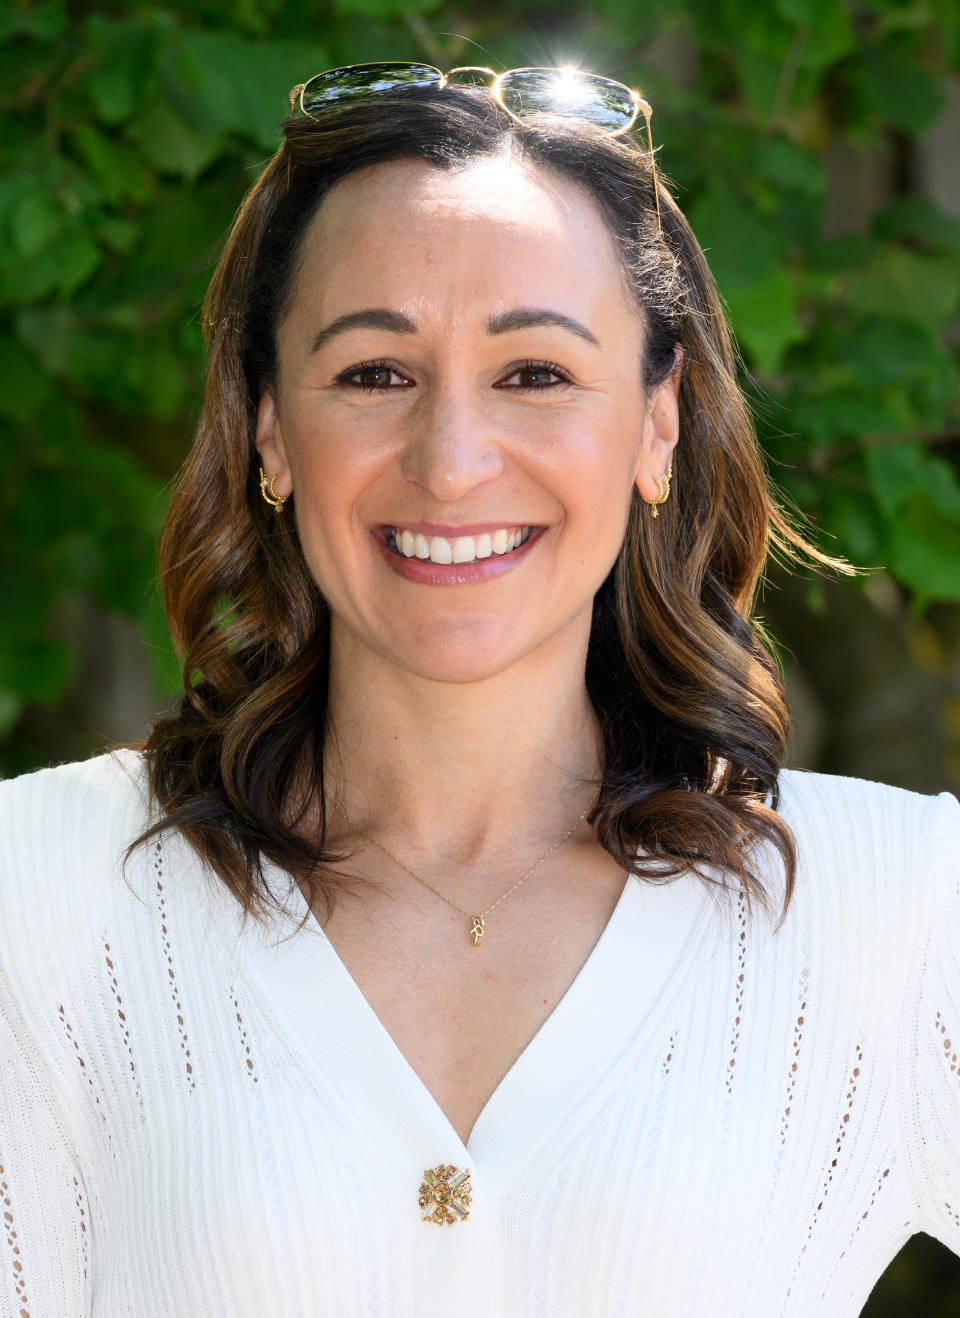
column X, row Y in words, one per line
column 446, row 1190
column 476, row 933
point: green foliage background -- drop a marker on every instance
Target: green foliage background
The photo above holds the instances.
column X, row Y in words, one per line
column 132, row 130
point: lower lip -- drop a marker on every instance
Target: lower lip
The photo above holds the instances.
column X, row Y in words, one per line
column 454, row 574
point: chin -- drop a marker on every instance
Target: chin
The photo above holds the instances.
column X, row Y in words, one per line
column 468, row 657
column 457, row 674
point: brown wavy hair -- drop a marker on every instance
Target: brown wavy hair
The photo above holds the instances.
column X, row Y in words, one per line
column 682, row 677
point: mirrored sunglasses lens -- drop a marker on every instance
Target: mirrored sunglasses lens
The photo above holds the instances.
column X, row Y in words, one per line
column 349, row 84
column 471, row 75
column 557, row 91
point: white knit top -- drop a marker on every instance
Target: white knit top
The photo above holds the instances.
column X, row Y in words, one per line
column 714, row 1119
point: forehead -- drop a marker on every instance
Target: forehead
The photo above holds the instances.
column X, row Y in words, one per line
column 497, row 230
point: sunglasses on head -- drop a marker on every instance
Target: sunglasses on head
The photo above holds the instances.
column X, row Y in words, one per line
column 610, row 105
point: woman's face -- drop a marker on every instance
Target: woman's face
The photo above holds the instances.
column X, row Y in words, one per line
column 459, row 367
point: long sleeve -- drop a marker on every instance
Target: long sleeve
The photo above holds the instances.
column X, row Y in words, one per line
column 45, row 1254
column 930, row 1030
column 56, row 829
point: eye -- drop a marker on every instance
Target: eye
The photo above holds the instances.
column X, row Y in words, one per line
column 536, row 369
column 377, row 377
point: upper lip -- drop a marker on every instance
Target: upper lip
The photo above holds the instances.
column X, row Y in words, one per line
column 452, row 532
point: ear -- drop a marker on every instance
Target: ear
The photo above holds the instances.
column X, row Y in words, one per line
column 269, row 443
column 661, row 429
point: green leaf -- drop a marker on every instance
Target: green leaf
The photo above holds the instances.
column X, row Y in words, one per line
column 42, row 22
column 11, row 707
column 879, row 351
column 905, row 285
column 903, row 94
column 119, row 235
column 244, row 85
column 917, row 217
column 47, row 332
column 943, row 487
column 75, row 258
column 826, row 32
column 842, row 413
column 925, row 550
column 852, row 516
column 36, row 668
column 122, row 73
column 761, row 28
column 742, row 249
column 62, row 268
column 34, row 221
column 759, row 77
column 174, row 145
column 159, row 378
column 764, row 317
column 897, row 472
column 790, row 166
column 120, row 171
column 382, row 8
column 23, row 385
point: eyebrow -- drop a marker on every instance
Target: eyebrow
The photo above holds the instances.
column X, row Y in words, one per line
column 503, row 322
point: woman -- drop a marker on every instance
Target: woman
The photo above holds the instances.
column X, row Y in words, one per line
column 476, row 720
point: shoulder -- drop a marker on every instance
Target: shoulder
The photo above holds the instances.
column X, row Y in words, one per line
column 63, row 834
column 63, row 827
column 872, row 839
column 857, row 809
column 831, row 796
column 98, row 773
column 88, row 796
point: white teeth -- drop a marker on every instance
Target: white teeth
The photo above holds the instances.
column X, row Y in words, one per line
column 441, row 550
column 463, row 549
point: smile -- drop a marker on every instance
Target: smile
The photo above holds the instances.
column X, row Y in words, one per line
column 463, row 549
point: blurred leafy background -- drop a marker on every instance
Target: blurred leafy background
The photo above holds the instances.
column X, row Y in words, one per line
column 812, row 144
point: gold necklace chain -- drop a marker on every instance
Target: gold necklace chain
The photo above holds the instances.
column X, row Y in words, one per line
column 477, row 921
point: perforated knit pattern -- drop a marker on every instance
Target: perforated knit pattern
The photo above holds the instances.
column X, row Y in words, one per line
column 715, row 1118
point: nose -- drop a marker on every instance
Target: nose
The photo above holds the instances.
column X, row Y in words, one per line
column 452, row 447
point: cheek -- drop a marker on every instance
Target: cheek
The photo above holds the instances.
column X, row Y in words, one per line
column 331, row 473
column 326, row 492
column 593, row 476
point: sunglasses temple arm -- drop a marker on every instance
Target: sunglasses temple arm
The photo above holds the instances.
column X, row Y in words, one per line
column 653, row 166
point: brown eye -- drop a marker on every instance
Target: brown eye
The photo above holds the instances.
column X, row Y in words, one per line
column 374, row 377
column 537, row 380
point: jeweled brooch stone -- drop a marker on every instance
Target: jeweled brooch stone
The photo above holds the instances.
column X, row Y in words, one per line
column 446, row 1192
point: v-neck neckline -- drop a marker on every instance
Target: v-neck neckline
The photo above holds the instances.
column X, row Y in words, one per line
column 612, row 1006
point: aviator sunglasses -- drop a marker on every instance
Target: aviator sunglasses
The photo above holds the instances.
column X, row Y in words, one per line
column 611, row 105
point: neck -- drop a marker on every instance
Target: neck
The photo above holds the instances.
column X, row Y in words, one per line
column 460, row 769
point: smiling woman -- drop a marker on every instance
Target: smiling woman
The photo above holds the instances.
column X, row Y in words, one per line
column 454, row 325
column 462, row 568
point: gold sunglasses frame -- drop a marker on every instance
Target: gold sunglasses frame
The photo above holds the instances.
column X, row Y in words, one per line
column 640, row 106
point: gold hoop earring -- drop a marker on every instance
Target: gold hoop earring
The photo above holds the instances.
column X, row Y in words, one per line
column 663, row 485
column 275, row 500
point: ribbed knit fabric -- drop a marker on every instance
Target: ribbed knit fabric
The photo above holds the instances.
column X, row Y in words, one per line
column 714, row 1120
